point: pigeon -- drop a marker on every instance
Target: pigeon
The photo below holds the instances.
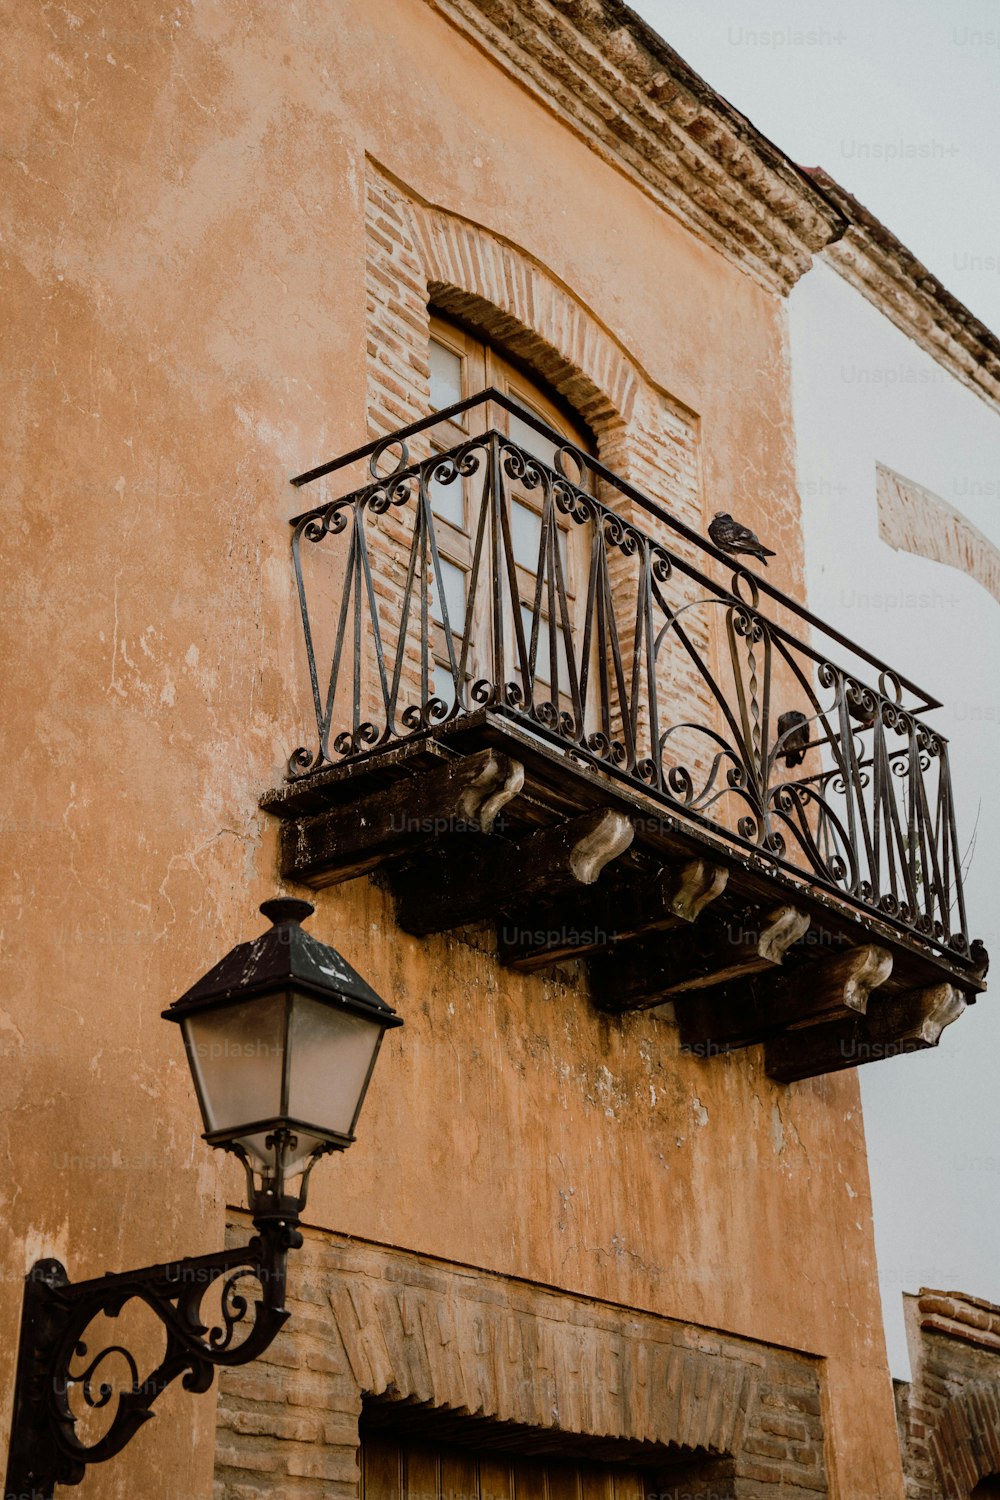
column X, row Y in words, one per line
column 793, row 732
column 729, row 536
column 863, row 715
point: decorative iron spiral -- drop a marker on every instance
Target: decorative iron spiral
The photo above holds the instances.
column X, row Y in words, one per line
column 331, row 522
column 572, row 502
column 350, row 744
column 518, row 465
column 85, row 1378
column 382, row 448
column 302, row 761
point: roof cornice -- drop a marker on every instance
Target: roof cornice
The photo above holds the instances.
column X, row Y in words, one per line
column 640, row 107
column 879, row 265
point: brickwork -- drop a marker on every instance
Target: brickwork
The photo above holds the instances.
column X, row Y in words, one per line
column 369, row 1321
column 398, row 394
column 418, row 255
column 396, row 306
column 949, row 1415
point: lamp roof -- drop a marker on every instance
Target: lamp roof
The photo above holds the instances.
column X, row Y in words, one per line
column 284, row 955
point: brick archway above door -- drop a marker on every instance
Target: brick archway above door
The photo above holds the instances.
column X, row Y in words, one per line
column 373, row 1321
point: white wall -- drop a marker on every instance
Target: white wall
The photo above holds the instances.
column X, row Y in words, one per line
column 865, row 394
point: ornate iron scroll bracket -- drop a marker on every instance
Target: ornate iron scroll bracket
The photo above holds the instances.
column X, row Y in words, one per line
column 54, row 1362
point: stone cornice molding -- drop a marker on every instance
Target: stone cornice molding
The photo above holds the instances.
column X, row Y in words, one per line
column 640, row 107
column 873, row 260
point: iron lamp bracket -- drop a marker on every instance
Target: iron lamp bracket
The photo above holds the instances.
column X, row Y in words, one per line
column 55, row 1363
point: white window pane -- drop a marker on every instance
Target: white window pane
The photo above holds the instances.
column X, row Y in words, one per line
column 443, row 684
column 526, row 539
column 448, row 500
column 454, row 581
column 543, row 659
column 525, row 534
column 525, row 436
column 446, row 376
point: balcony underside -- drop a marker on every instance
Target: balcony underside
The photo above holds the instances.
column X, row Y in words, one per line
column 484, row 821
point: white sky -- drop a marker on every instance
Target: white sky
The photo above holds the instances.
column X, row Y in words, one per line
column 899, row 100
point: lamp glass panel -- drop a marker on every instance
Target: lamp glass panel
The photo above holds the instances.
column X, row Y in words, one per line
column 237, row 1054
column 330, row 1057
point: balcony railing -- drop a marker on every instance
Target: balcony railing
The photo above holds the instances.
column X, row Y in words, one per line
column 614, row 631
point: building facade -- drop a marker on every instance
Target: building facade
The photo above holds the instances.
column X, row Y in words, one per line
column 607, row 1223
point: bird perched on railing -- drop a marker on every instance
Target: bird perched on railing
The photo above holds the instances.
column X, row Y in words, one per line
column 793, row 736
column 729, row 536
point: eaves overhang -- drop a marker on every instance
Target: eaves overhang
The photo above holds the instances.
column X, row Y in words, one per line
column 618, row 84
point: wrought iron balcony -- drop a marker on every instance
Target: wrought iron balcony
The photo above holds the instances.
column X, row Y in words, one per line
column 519, row 595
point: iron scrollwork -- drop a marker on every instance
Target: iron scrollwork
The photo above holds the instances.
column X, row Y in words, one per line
column 55, row 1362
column 657, row 663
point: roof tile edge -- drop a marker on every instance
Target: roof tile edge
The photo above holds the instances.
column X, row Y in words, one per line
column 960, row 1316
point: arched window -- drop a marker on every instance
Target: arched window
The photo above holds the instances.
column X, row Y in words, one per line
column 463, row 363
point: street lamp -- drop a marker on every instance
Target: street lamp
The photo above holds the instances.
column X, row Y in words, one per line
column 281, row 1037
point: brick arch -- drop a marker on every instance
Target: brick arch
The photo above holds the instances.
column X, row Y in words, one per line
column 419, row 253
column 498, row 288
column 498, row 1352
column 965, row 1441
column 539, row 1361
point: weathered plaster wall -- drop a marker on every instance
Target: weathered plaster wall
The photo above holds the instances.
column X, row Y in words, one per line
column 184, row 260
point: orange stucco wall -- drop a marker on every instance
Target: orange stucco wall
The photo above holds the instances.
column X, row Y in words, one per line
column 183, row 257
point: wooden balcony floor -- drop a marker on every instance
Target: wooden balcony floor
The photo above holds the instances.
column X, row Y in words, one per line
column 483, row 821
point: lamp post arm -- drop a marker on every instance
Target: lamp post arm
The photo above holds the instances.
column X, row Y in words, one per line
column 54, row 1360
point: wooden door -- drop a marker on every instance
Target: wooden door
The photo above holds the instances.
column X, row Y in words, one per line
column 402, row 1470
